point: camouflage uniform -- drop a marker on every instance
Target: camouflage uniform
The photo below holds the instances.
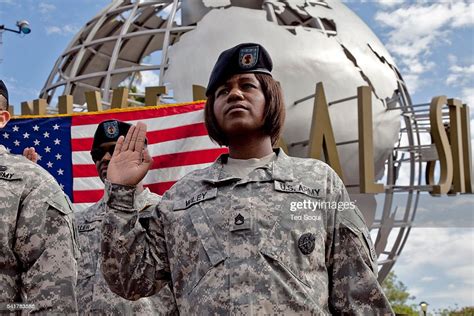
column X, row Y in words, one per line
column 93, row 294
column 234, row 246
column 37, row 238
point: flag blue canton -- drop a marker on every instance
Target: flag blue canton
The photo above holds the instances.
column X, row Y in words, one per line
column 51, row 138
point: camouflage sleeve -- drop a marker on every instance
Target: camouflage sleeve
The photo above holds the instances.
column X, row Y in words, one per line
column 134, row 257
column 47, row 249
column 353, row 287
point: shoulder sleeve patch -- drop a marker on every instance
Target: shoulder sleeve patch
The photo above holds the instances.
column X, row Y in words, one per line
column 354, row 220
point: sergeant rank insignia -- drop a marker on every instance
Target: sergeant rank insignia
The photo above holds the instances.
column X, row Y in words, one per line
column 239, row 220
column 306, row 243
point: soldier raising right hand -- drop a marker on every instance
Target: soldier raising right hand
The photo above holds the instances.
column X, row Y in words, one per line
column 237, row 238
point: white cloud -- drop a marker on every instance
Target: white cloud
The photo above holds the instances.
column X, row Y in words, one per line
column 46, row 8
column 389, row 3
column 460, row 76
column 427, row 279
column 468, row 98
column 65, row 30
column 19, row 91
column 53, row 30
column 412, row 81
column 452, row 58
column 415, row 29
column 466, row 273
column 434, row 259
column 438, row 247
column 148, row 79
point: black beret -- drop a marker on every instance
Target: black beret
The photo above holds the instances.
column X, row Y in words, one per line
column 243, row 58
column 109, row 131
column 3, row 90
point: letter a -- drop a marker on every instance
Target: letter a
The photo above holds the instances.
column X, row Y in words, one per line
column 322, row 135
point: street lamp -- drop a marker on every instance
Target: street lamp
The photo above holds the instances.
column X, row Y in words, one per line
column 23, row 27
column 424, row 307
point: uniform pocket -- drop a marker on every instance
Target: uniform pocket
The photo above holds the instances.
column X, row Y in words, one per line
column 282, row 253
column 280, row 259
column 89, row 252
column 201, row 268
column 198, row 249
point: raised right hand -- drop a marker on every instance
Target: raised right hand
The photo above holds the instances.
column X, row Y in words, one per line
column 131, row 160
column 31, row 154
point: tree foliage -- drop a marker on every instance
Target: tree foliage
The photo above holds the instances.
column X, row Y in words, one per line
column 463, row 311
column 398, row 296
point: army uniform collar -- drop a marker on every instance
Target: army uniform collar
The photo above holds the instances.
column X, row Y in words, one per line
column 280, row 169
column 143, row 199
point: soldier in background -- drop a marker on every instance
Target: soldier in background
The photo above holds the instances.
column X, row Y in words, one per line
column 38, row 268
column 257, row 232
column 94, row 295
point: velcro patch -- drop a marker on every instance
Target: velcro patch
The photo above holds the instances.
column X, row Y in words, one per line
column 85, row 227
column 298, row 188
column 10, row 176
column 197, row 198
column 241, row 220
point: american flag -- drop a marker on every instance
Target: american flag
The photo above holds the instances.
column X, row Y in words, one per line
column 177, row 141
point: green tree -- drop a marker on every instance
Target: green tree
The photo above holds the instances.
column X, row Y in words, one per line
column 463, row 311
column 398, row 296
column 134, row 89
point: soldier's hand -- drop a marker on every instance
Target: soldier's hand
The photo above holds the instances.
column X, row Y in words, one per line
column 131, row 160
column 30, row 154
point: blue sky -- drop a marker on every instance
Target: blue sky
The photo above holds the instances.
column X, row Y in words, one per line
column 433, row 45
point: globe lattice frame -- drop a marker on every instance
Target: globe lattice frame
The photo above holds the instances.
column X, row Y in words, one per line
column 98, row 59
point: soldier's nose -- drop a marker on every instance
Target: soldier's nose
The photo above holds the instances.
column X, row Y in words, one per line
column 235, row 93
column 107, row 156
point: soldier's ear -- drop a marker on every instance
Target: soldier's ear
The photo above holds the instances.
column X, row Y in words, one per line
column 4, row 118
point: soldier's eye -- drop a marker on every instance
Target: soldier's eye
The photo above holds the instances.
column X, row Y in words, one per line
column 222, row 91
column 248, row 86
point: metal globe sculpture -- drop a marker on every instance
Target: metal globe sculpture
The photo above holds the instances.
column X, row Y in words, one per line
column 175, row 44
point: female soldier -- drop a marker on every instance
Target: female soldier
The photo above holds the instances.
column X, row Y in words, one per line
column 257, row 232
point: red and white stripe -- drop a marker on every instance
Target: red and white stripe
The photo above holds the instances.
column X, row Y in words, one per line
column 177, row 141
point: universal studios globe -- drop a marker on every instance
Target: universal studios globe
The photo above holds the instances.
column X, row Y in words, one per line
column 175, row 44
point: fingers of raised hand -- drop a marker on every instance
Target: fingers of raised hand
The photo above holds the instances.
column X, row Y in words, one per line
column 141, row 135
column 30, row 154
column 118, row 146
column 134, row 136
column 128, row 138
column 147, row 158
column 34, row 155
